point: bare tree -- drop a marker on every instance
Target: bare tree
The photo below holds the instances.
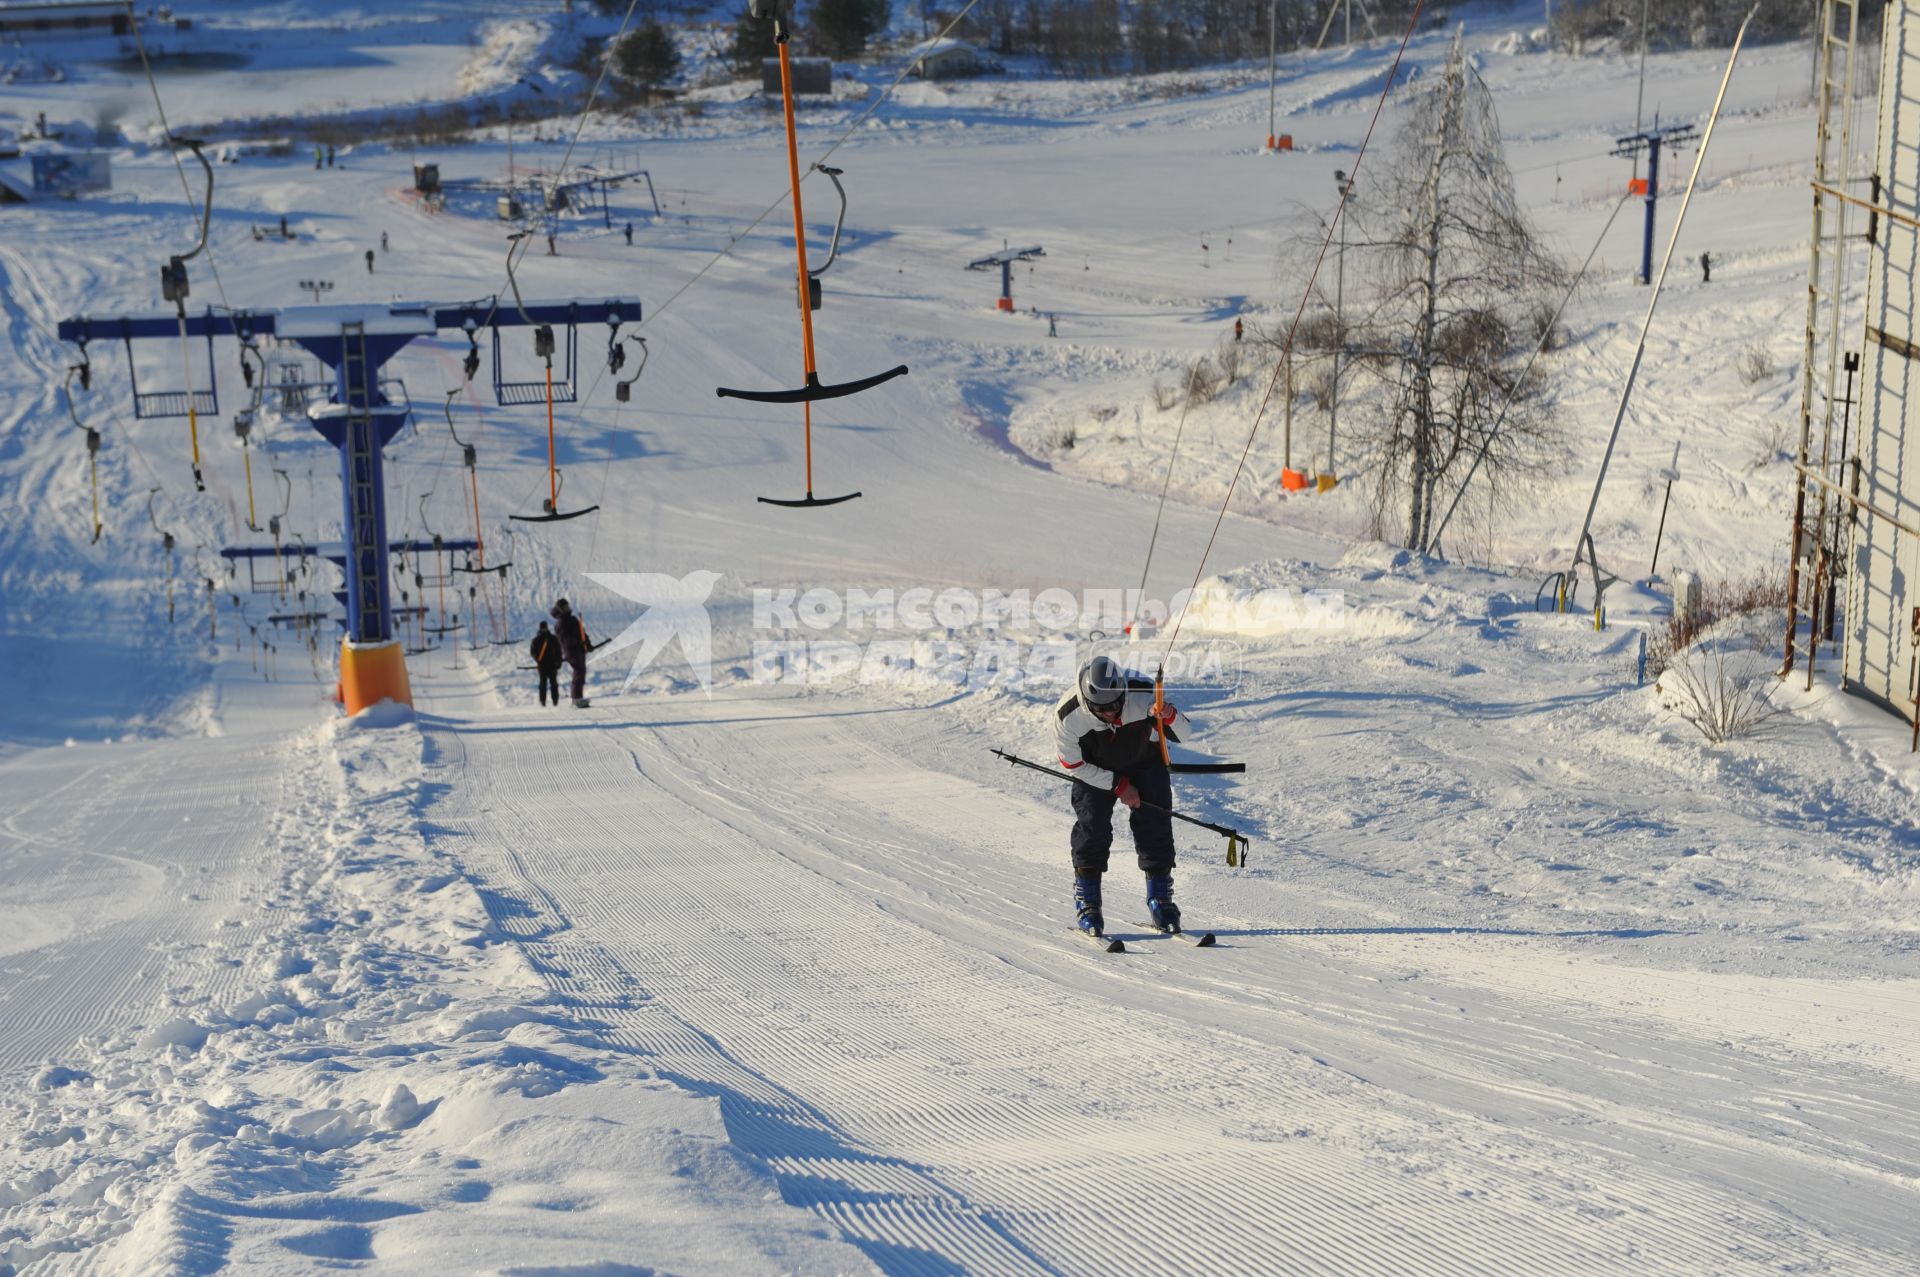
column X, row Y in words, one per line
column 1453, row 280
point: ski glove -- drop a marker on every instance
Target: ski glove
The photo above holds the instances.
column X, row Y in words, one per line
column 1167, row 714
column 1127, row 794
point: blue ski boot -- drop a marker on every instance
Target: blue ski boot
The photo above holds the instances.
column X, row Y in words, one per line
column 1160, row 906
column 1086, row 906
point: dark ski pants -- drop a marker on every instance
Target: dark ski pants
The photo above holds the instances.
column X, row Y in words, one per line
column 579, row 664
column 1152, row 830
column 549, row 683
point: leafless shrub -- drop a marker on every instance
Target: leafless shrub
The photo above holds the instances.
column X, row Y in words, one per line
column 1541, row 331
column 1231, row 358
column 1771, row 441
column 1062, row 438
column 1756, row 364
column 1719, row 602
column 1723, row 693
column 1319, row 387
column 1178, row 88
column 1164, row 396
column 1203, row 381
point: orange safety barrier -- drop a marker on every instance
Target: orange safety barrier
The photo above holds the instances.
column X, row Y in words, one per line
column 1293, row 480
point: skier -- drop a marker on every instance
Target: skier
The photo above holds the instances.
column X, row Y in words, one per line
column 1239, row 329
column 369, row 261
column 551, row 250
column 1053, row 325
column 545, row 650
column 629, row 234
column 1104, row 730
column 329, row 157
column 1706, row 268
column 572, row 633
column 383, row 241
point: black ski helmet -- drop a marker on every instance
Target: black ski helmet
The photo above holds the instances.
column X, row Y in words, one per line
column 1103, row 685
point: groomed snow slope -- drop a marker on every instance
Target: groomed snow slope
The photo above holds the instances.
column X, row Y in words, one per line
column 1522, row 977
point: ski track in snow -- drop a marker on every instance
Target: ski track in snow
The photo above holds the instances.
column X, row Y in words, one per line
column 888, row 1013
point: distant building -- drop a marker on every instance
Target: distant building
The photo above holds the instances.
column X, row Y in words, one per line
column 56, row 21
column 810, row 76
column 945, row 60
column 70, row 174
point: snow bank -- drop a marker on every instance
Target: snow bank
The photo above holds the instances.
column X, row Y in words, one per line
column 378, row 1057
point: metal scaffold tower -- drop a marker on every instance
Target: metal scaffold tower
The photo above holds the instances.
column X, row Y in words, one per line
column 354, row 342
column 1864, row 526
column 1815, row 553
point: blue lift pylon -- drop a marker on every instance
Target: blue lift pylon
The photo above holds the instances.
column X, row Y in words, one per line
column 1650, row 141
column 355, row 341
column 1005, row 259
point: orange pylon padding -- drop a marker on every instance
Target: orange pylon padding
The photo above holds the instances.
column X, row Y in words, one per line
column 371, row 673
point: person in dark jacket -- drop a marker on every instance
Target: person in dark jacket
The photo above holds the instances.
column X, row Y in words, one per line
column 574, row 645
column 1107, row 731
column 545, row 651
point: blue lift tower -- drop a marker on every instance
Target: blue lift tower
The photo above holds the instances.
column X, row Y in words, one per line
column 354, row 342
column 1651, row 141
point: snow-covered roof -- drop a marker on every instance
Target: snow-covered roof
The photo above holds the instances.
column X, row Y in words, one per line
column 941, row 47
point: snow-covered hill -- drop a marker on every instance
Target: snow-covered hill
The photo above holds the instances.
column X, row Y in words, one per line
column 1522, row 976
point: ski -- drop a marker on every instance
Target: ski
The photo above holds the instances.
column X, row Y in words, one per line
column 1107, row 944
column 1203, row 940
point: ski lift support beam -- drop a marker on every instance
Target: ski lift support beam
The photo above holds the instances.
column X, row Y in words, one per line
column 354, row 341
column 335, row 552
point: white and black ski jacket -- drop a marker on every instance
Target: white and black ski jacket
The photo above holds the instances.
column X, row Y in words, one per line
column 1095, row 751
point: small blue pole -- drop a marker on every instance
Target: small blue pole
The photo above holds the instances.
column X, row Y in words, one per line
column 1653, row 195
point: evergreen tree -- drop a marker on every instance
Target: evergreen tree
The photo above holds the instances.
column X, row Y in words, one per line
column 752, row 43
column 843, row 27
column 646, row 58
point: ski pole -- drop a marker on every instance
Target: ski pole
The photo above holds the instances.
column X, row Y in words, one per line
column 1237, row 842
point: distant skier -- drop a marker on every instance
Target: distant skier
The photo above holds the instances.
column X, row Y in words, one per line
column 545, row 651
column 383, row 241
column 1104, row 731
column 1053, row 325
column 1239, row 328
column 316, row 157
column 629, row 234
column 552, row 249
column 1706, row 268
column 369, row 261
column 329, row 157
column 284, row 232
column 572, row 633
